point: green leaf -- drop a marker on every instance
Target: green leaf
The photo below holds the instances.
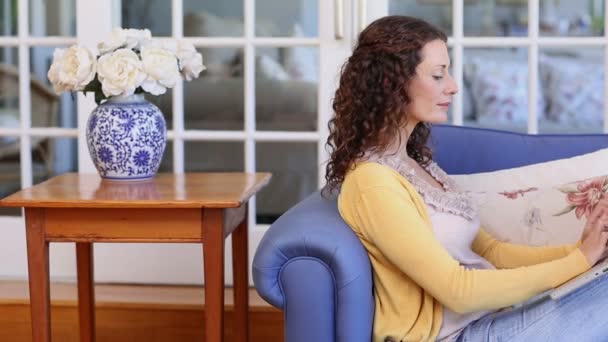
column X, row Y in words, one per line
column 567, row 189
column 565, row 210
column 99, row 96
column 93, row 86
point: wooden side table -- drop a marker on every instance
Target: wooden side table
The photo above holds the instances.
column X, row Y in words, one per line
column 83, row 208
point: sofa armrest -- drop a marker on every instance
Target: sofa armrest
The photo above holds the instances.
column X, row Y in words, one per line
column 311, row 265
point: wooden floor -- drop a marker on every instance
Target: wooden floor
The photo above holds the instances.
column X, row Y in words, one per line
column 132, row 313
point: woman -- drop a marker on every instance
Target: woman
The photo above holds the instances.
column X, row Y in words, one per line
column 437, row 274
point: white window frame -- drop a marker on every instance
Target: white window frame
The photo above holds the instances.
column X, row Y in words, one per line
column 94, row 21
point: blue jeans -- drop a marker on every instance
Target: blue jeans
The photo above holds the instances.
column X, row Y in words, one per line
column 580, row 316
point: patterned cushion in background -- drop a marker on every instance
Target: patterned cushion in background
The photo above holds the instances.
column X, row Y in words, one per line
column 500, row 90
column 574, row 89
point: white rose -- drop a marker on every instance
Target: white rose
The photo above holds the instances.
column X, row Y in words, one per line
column 116, row 40
column 124, row 38
column 137, row 38
column 120, row 72
column 160, row 66
column 72, row 69
column 190, row 61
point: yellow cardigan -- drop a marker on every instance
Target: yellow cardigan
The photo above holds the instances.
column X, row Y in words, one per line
column 414, row 276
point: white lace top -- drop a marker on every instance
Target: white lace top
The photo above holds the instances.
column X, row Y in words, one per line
column 449, row 199
column 455, row 223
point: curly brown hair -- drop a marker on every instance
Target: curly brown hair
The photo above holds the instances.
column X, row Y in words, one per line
column 371, row 98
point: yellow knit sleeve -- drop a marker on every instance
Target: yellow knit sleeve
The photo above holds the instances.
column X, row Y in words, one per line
column 387, row 217
column 509, row 255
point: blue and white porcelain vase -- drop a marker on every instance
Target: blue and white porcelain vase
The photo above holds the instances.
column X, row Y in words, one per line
column 126, row 138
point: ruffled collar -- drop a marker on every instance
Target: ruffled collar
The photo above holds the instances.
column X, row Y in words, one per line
column 450, row 199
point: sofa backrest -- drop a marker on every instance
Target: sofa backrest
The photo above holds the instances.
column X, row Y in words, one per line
column 462, row 150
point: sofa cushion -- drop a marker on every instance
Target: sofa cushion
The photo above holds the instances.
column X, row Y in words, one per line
column 501, row 90
column 205, row 24
column 526, row 204
column 574, row 89
column 543, row 215
column 301, row 62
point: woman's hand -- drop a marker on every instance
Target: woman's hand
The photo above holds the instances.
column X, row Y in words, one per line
column 595, row 234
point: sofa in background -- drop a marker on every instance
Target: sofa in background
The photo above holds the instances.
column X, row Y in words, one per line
column 44, row 114
column 312, row 266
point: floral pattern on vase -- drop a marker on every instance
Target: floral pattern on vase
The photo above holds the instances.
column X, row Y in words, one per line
column 126, row 137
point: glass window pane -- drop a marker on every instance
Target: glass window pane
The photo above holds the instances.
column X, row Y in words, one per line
column 154, row 15
column 9, row 88
column 49, row 109
column 437, row 12
column 495, row 18
column 286, row 88
column 164, row 102
column 52, row 17
column 10, row 161
column 495, row 89
column 294, row 176
column 571, row 18
column 295, row 18
column 53, row 156
column 211, row 18
column 208, row 156
column 166, row 165
column 10, row 171
column 573, row 86
column 215, row 100
column 8, row 18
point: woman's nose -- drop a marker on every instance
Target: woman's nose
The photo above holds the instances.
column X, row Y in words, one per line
column 452, row 87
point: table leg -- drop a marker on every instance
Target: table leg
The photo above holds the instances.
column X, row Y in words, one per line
column 240, row 272
column 86, row 291
column 213, row 259
column 38, row 270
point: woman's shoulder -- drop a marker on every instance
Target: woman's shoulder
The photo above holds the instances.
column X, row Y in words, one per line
column 368, row 174
column 370, row 178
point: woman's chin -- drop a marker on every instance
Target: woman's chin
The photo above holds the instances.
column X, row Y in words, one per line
column 438, row 118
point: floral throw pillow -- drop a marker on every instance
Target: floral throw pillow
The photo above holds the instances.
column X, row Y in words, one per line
column 500, row 90
column 559, row 171
column 540, row 216
column 575, row 91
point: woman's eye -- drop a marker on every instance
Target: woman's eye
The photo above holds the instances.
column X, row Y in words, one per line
column 437, row 77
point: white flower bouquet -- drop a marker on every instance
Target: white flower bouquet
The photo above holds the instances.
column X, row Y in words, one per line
column 128, row 63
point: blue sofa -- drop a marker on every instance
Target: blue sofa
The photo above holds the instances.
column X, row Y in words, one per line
column 312, row 266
